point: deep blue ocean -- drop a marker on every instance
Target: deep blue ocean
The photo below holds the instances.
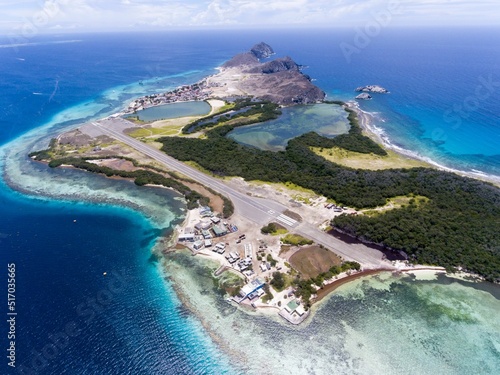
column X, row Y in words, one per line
column 443, row 105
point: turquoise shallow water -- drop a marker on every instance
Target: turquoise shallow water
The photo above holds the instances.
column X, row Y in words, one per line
column 127, row 321
column 381, row 324
column 325, row 119
column 174, row 110
column 368, row 327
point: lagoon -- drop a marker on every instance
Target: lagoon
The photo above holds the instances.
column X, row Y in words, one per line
column 379, row 324
column 328, row 120
column 174, row 110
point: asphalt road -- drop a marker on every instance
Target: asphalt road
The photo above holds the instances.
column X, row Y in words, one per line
column 258, row 210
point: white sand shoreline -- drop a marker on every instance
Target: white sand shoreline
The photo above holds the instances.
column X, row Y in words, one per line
column 366, row 123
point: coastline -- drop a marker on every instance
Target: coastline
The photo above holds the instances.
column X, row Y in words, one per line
column 329, row 288
column 329, row 328
column 365, row 121
column 272, row 310
column 351, row 329
column 378, row 134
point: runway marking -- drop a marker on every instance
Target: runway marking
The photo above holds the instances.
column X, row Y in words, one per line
column 287, row 220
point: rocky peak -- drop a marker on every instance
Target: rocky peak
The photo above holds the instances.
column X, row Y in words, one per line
column 262, row 50
column 279, row 65
column 246, row 58
column 280, row 81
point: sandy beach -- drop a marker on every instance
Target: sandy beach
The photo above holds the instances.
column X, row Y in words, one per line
column 366, row 122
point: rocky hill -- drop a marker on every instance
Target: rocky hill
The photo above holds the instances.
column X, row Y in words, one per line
column 262, row 50
column 280, row 80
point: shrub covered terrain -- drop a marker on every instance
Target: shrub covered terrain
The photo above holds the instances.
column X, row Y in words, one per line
column 457, row 227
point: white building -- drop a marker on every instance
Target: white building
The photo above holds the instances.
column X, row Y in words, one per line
column 197, row 245
column 186, row 237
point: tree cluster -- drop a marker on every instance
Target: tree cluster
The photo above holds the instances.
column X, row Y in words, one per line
column 269, row 228
column 305, row 288
column 265, row 109
column 457, row 227
column 278, row 281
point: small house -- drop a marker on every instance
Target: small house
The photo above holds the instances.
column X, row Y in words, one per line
column 186, row 237
column 206, row 234
column 205, row 211
column 219, row 231
column 203, row 225
column 197, row 245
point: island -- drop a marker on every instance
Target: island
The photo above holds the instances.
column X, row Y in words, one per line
column 364, row 96
column 283, row 229
column 372, row 88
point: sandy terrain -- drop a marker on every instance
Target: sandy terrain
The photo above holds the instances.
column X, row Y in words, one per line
column 368, row 161
column 310, row 261
column 120, row 164
column 310, row 206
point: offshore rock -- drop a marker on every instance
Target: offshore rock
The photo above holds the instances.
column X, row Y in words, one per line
column 372, row 88
column 364, row 96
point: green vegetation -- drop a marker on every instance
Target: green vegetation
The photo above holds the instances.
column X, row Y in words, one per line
column 268, row 296
column 273, row 228
column 296, row 240
column 271, row 260
column 152, row 131
column 256, row 112
column 230, row 283
column 278, row 281
column 269, row 228
column 44, row 154
column 135, row 119
column 355, row 140
column 305, row 288
column 141, row 177
column 359, row 160
column 228, row 208
column 397, row 202
column 457, row 227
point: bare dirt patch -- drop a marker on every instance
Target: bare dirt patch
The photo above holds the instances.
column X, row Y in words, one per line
column 119, row 164
column 75, row 138
column 367, row 161
column 293, row 215
column 216, row 202
column 312, row 260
